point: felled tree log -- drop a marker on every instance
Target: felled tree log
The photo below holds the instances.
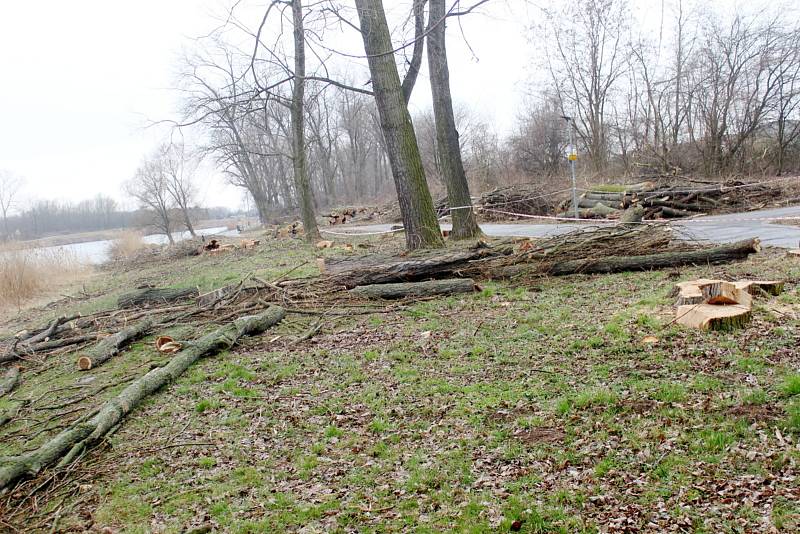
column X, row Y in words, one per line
column 110, row 346
column 673, row 213
column 599, row 195
column 213, row 297
column 586, row 203
column 154, row 295
column 415, row 269
column 69, row 443
column 612, row 264
column 416, row 289
column 9, row 380
column 48, row 332
column 601, row 210
column 713, row 317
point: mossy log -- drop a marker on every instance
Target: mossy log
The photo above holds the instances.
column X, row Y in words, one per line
column 599, row 195
column 110, row 346
column 9, row 380
column 154, row 295
column 587, row 203
column 613, row 264
column 416, row 289
column 714, row 317
column 69, row 443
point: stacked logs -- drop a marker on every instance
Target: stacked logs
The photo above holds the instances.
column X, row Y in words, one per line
column 676, row 201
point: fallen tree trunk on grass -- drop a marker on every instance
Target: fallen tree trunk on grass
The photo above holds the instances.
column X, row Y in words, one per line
column 614, row 264
column 154, row 295
column 415, row 269
column 68, row 444
column 108, row 347
column 416, row 289
column 9, row 381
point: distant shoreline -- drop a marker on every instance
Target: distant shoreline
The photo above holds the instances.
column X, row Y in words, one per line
column 101, row 235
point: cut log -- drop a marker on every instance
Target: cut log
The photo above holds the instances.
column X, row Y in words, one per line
column 425, row 267
column 601, row 210
column 705, row 291
column 586, row 203
column 154, row 295
column 9, row 380
column 613, row 264
column 110, row 346
column 673, row 213
column 631, row 215
column 51, row 330
column 70, row 442
column 794, row 252
column 711, row 317
column 599, row 195
column 755, row 287
column 416, row 289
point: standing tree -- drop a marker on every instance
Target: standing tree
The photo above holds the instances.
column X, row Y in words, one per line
column 449, row 151
column 416, row 206
column 9, row 187
column 299, row 151
column 149, row 187
column 179, row 171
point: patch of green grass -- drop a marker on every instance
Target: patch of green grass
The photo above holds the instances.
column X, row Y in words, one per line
column 206, row 462
column 206, row 404
column 670, row 392
column 791, row 385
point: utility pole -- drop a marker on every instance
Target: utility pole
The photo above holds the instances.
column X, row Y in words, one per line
column 572, row 156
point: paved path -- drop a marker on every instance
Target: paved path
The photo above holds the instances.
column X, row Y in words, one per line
column 716, row 228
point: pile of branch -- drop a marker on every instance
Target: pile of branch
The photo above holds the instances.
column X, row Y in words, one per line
column 677, row 200
column 500, row 203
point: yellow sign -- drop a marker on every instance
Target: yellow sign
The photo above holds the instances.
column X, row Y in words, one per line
column 572, row 157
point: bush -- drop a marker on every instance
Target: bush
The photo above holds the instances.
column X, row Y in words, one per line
column 127, row 245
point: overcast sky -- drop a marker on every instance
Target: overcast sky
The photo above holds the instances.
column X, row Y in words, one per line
column 82, row 79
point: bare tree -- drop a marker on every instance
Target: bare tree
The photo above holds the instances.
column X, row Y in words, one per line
column 149, row 187
column 10, row 186
column 585, row 60
column 179, row 169
column 416, row 206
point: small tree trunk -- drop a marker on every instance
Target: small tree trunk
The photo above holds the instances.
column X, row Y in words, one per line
column 452, row 167
column 416, row 206
column 188, row 221
column 300, row 163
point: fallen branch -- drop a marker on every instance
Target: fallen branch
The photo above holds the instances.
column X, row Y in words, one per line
column 416, row 289
column 108, row 347
column 9, row 381
column 154, row 295
column 71, row 442
column 613, row 264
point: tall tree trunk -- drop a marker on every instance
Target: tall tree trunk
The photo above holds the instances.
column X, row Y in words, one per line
column 299, row 160
column 416, row 56
column 419, row 218
column 452, row 167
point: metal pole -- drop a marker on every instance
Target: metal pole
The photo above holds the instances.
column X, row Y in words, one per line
column 572, row 156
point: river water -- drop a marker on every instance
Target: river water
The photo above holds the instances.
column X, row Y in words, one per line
column 96, row 252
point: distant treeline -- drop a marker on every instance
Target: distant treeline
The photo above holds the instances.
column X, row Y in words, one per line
column 49, row 217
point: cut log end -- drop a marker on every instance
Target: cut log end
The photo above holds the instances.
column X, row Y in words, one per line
column 713, row 317
column 84, row 363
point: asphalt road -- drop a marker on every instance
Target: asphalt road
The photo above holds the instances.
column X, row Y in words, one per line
column 714, row 228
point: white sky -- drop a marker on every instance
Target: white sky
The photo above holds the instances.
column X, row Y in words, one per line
column 82, row 79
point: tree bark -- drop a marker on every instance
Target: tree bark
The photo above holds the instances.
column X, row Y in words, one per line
column 154, row 295
column 416, row 206
column 465, row 225
column 416, row 269
column 299, row 151
column 111, row 346
column 613, row 264
column 416, row 289
column 9, row 381
column 68, row 444
column 419, row 44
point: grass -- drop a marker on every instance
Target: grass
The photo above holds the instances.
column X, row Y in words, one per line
column 542, row 407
